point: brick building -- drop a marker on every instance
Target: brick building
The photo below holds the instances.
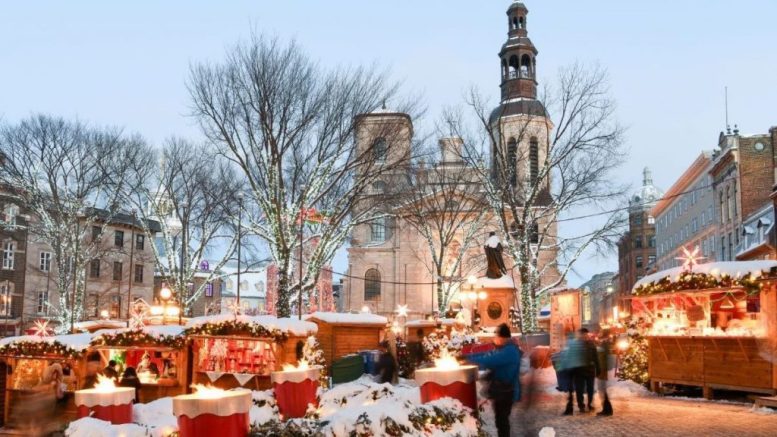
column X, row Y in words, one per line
column 685, row 216
column 13, row 249
column 637, row 247
column 743, row 177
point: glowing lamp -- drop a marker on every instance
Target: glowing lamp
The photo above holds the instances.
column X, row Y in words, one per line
column 449, row 378
column 157, row 310
column 173, row 311
column 622, row 344
column 165, row 293
column 365, row 309
column 482, row 295
column 295, row 388
column 211, row 410
column 106, row 402
column 104, row 314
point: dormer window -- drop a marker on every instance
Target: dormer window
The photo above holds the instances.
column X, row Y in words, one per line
column 10, row 212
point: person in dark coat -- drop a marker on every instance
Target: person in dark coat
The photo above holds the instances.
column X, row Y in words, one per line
column 605, row 346
column 574, row 361
column 504, row 363
column 130, row 379
column 386, row 365
column 110, row 370
column 591, row 368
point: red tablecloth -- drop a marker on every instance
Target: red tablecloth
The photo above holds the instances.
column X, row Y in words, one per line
column 116, row 414
column 466, row 393
column 209, row 425
column 293, row 397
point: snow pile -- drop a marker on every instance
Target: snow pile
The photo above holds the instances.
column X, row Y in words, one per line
column 547, row 431
column 349, row 318
column 99, row 428
column 91, row 325
column 264, row 409
column 157, row 416
column 77, row 342
column 503, row 281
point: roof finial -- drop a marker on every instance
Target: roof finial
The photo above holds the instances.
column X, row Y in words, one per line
column 384, row 104
column 647, row 177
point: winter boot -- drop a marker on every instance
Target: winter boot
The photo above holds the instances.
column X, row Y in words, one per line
column 606, row 409
column 569, row 410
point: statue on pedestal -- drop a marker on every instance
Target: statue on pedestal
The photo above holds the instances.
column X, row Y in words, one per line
column 496, row 265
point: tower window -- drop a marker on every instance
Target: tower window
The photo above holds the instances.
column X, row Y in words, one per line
column 372, row 285
column 513, row 67
column 379, row 149
column 378, row 230
column 526, row 70
column 534, row 160
column 521, row 23
column 512, row 158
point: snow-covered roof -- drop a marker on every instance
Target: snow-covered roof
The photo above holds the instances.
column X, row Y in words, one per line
column 349, row 318
column 288, row 325
column 78, row 342
column 730, row 268
column 154, row 330
column 88, row 325
column 503, row 282
column 425, row 322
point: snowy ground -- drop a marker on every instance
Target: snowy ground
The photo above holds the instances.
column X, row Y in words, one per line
column 366, row 407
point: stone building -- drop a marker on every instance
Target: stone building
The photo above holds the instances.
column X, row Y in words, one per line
column 742, row 177
column 387, row 261
column 685, row 216
column 637, row 247
column 122, row 273
column 595, row 301
column 13, row 249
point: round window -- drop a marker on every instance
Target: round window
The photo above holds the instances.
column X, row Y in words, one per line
column 759, row 146
column 494, row 310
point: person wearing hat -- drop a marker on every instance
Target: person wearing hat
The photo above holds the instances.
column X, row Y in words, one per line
column 504, row 363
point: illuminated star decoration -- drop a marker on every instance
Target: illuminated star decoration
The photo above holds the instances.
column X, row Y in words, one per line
column 41, row 328
column 137, row 318
column 235, row 308
column 690, row 258
column 402, row 310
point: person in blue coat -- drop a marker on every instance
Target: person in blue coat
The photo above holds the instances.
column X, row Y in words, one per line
column 505, row 388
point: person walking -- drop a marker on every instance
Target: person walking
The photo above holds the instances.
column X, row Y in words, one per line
column 130, row 379
column 386, row 367
column 605, row 347
column 591, row 368
column 504, row 363
column 574, row 362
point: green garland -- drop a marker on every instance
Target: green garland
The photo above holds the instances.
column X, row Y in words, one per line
column 39, row 349
column 698, row 281
column 139, row 338
column 236, row 328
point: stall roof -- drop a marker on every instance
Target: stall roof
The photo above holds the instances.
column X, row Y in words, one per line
column 90, row 325
column 730, row 268
column 424, row 322
column 78, row 342
column 155, row 330
column 348, row 318
column 290, row 326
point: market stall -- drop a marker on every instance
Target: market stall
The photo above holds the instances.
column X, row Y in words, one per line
column 711, row 325
column 35, row 367
column 342, row 334
column 157, row 353
column 231, row 351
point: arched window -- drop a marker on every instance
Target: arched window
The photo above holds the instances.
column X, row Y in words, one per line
column 6, row 298
column 505, row 70
column 534, row 160
column 372, row 285
column 514, row 23
column 378, row 230
column 526, row 66
column 521, row 23
column 512, row 157
column 513, row 67
column 534, row 234
column 379, row 149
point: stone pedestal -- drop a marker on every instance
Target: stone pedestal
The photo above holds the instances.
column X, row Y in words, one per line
column 499, row 297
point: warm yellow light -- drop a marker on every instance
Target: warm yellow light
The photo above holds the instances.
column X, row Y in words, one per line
column 615, row 313
column 157, row 310
column 165, row 293
column 472, row 280
column 473, row 295
column 365, row 309
column 622, row 344
column 173, row 311
column 482, row 295
column 104, row 384
column 104, row 314
column 446, row 361
column 303, row 365
column 207, row 392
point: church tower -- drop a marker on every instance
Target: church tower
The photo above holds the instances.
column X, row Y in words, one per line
column 520, row 124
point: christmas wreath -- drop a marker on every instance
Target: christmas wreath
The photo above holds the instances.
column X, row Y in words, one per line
column 698, row 281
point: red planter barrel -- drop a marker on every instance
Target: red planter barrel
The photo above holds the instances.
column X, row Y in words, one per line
column 113, row 406
column 294, row 390
column 459, row 383
column 224, row 415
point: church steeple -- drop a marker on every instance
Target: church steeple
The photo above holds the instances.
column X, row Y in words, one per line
column 518, row 57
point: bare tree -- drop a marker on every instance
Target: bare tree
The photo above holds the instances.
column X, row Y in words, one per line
column 193, row 193
column 444, row 204
column 68, row 175
column 289, row 126
column 539, row 172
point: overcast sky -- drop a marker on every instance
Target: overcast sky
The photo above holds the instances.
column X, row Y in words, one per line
column 126, row 63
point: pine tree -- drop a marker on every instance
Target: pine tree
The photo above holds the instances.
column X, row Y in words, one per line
column 634, row 362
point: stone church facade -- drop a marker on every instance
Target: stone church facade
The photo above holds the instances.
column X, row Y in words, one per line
column 388, row 260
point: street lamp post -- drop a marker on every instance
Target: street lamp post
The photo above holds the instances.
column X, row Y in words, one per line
column 164, row 295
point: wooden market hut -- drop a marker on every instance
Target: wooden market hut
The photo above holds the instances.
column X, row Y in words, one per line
column 24, row 364
column 342, row 334
column 158, row 353
column 713, row 326
column 230, row 351
column 564, row 316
